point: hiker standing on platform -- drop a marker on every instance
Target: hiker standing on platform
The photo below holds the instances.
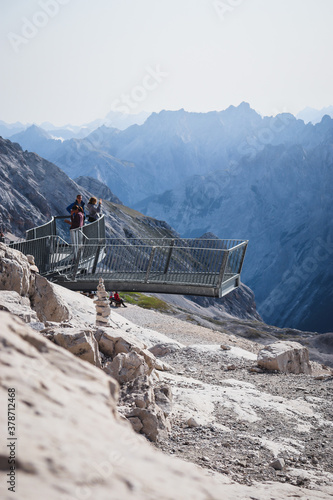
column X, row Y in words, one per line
column 77, row 202
column 94, row 210
column 76, row 222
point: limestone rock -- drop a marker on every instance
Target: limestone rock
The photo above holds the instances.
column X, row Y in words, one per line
column 48, row 302
column 82, row 343
column 287, row 357
column 15, row 274
column 139, row 392
column 163, row 398
column 127, row 366
column 278, row 464
column 15, row 304
column 112, row 345
column 191, row 422
column 102, row 305
column 163, row 349
column 66, row 405
column 163, row 367
column 154, row 423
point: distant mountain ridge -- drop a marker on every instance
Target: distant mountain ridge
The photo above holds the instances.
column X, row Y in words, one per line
column 314, row 115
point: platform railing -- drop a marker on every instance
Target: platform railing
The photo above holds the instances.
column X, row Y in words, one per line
column 93, row 230
column 174, row 265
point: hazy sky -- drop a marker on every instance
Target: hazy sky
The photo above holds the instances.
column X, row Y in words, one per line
column 71, row 61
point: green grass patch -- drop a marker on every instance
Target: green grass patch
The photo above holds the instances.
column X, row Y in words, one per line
column 145, row 301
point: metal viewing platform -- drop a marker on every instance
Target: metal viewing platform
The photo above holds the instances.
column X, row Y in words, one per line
column 208, row 267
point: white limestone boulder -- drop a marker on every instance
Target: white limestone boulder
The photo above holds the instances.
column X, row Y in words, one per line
column 81, row 343
column 112, row 344
column 127, row 366
column 15, row 304
column 286, row 357
column 48, row 302
column 15, row 272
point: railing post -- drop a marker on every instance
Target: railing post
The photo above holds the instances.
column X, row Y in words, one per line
column 169, row 257
column 150, row 263
column 242, row 258
column 222, row 269
column 76, row 262
column 98, row 250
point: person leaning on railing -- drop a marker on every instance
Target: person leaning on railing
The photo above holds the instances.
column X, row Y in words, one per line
column 94, row 209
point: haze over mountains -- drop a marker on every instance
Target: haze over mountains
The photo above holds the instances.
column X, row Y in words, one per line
column 233, row 173
column 112, row 119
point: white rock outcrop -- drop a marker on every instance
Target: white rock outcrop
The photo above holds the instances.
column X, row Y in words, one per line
column 18, row 273
column 20, row 306
column 80, row 342
column 126, row 367
column 73, row 444
column 285, row 356
column 15, row 272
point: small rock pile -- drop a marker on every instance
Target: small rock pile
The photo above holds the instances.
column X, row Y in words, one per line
column 102, row 305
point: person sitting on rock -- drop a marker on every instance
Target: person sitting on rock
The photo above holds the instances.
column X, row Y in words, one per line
column 117, row 300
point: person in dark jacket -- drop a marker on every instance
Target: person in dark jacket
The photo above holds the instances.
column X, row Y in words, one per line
column 77, row 202
column 76, row 222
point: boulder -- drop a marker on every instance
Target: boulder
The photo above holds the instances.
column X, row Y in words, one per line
column 163, row 349
column 138, row 392
column 48, row 302
column 18, row 274
column 153, row 405
column 15, row 304
column 127, row 366
column 287, row 357
column 154, row 424
column 80, row 342
column 111, row 345
column 15, row 273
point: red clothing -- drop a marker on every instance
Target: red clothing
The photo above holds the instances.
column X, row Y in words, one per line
column 77, row 220
column 116, row 297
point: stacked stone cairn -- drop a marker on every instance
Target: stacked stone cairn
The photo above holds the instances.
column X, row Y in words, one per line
column 102, row 305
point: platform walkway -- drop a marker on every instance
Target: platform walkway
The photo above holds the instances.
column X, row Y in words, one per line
column 209, row 267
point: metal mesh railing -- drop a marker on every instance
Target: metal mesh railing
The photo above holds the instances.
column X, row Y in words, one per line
column 207, row 264
column 155, row 261
column 57, row 227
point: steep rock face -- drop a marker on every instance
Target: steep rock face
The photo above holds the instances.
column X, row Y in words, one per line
column 281, row 202
column 32, row 190
column 97, row 187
